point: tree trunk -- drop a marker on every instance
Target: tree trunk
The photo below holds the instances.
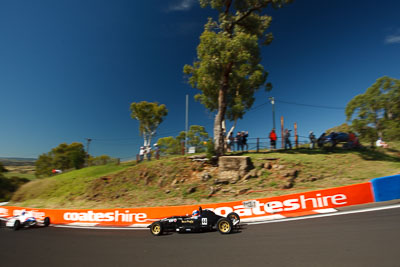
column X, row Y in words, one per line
column 218, row 130
column 232, row 128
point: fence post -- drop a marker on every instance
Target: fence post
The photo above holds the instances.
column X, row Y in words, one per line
column 183, row 148
column 258, row 144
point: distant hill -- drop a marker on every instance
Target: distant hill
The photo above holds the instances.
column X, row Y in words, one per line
column 17, row 161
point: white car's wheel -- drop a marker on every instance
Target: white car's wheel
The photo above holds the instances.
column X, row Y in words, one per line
column 17, row 225
column 46, row 221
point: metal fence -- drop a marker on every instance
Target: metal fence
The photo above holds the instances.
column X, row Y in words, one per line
column 259, row 144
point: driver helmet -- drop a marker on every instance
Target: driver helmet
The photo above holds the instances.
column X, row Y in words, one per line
column 23, row 212
column 195, row 213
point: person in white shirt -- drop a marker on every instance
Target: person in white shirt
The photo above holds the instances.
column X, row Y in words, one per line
column 380, row 143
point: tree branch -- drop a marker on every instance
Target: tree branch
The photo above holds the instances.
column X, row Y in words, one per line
column 228, row 4
column 245, row 15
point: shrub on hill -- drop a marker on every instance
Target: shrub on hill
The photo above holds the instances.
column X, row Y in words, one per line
column 9, row 185
column 63, row 157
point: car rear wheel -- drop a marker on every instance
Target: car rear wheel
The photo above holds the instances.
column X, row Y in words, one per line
column 46, row 221
column 234, row 217
column 17, row 225
column 156, row 228
column 224, row 226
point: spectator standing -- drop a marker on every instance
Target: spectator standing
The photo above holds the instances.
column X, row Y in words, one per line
column 230, row 142
column 239, row 142
column 313, row 140
column 244, row 140
column 148, row 153
column 272, row 139
column 157, row 151
column 141, row 154
column 287, row 139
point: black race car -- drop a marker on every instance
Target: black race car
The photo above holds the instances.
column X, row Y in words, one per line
column 206, row 221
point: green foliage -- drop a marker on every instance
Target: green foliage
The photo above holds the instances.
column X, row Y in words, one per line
column 9, row 185
column 197, row 137
column 2, row 168
column 228, row 70
column 63, row 157
column 169, row 145
column 44, row 165
column 376, row 113
column 211, row 149
column 149, row 115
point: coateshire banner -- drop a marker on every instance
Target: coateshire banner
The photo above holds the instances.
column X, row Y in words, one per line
column 248, row 210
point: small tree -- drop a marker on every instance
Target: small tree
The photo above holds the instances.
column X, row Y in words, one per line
column 197, row 137
column 44, row 165
column 62, row 157
column 169, row 145
column 379, row 107
column 149, row 115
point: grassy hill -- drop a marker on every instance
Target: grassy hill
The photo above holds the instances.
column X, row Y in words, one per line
column 179, row 180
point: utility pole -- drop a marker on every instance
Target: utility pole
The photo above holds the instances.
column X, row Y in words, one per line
column 272, row 99
column 88, row 140
column 187, row 122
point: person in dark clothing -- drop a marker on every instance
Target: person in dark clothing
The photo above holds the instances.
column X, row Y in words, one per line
column 287, row 139
column 239, row 141
column 244, row 140
column 313, row 140
column 230, row 142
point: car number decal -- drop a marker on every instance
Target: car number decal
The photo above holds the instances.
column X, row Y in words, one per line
column 204, row 221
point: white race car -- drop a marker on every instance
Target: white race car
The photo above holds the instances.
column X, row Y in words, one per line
column 26, row 219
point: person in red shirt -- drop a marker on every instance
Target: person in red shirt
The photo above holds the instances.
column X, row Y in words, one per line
column 352, row 139
column 273, row 137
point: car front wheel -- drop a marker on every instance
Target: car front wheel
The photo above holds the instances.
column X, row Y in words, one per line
column 224, row 226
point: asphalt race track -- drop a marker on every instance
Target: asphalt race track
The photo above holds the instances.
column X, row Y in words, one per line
column 362, row 239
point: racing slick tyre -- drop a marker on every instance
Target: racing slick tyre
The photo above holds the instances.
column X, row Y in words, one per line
column 233, row 216
column 17, row 225
column 156, row 228
column 224, row 226
column 46, row 221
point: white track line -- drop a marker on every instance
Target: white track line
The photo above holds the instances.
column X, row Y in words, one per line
column 330, row 214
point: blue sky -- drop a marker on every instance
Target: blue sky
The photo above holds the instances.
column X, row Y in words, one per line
column 69, row 69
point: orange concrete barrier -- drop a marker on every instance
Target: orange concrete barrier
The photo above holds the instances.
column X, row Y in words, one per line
column 252, row 209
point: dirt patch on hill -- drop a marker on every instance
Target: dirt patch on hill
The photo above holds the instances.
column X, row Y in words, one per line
column 187, row 182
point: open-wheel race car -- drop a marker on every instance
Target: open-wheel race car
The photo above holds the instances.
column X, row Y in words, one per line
column 200, row 221
column 26, row 220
